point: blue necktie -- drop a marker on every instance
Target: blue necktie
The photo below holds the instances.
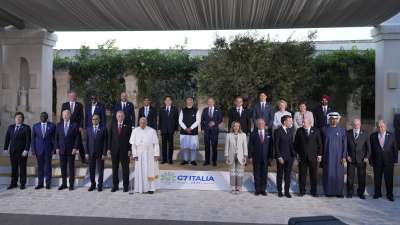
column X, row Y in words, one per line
column 43, row 129
column 66, row 129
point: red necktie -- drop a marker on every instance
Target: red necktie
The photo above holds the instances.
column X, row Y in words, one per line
column 261, row 137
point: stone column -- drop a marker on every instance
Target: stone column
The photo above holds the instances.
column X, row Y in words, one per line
column 353, row 109
column 387, row 71
column 132, row 89
column 27, row 69
column 63, row 86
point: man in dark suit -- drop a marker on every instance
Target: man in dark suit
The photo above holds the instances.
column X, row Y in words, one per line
column 308, row 146
column 261, row 153
column 396, row 125
column 284, row 154
column 149, row 112
column 77, row 117
column 321, row 112
column 127, row 107
column 168, row 124
column 67, row 145
column 358, row 153
column 119, row 149
column 96, row 150
column 95, row 108
column 43, row 134
column 241, row 115
column 383, row 157
column 17, row 143
column 211, row 117
column 263, row 109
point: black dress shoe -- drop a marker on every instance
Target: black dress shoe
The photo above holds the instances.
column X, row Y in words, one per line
column 301, row 194
column 150, row 192
column 48, row 187
column 288, row 195
column 194, row 163
column 256, row 193
column 163, row 162
column 62, row 187
column 71, row 188
column 280, row 194
column 170, row 162
column 264, row 193
column 206, row 163
column 349, row 196
column 361, row 196
column 126, row 189
column 22, row 187
column 11, row 186
column 339, row 196
column 214, row 163
column 376, row 196
column 39, row 187
column 114, row 189
column 99, row 189
column 184, row 162
column 314, row 195
column 91, row 188
column 390, row 198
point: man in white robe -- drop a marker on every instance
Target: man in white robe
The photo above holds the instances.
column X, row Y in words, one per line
column 145, row 153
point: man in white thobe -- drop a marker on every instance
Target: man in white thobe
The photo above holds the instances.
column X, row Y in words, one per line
column 145, row 152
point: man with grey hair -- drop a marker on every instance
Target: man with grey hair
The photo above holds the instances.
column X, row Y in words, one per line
column 383, row 157
column 358, row 152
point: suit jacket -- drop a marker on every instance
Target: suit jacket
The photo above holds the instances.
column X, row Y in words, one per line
column 386, row 156
column 119, row 143
column 320, row 116
column 244, row 119
column 151, row 117
column 99, row 109
column 267, row 115
column 168, row 123
column 205, row 119
column 308, row 147
column 283, row 143
column 396, row 125
column 231, row 145
column 77, row 116
column 43, row 145
column 69, row 141
column 96, row 143
column 360, row 148
column 129, row 112
column 18, row 141
column 261, row 152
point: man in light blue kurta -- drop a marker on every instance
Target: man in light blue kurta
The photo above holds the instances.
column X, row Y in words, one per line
column 334, row 156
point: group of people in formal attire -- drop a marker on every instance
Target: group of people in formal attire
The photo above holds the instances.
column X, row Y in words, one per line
column 257, row 136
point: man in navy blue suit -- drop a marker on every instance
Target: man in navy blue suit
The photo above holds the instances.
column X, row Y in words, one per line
column 67, row 144
column 263, row 109
column 95, row 108
column 127, row 107
column 261, row 153
column 96, row 150
column 17, row 143
column 211, row 117
column 43, row 147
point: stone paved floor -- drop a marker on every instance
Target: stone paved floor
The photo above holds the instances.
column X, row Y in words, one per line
column 195, row 206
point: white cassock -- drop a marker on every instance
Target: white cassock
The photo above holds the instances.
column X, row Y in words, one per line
column 145, row 147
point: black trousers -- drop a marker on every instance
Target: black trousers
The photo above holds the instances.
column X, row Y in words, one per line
column 167, row 142
column 67, row 161
column 352, row 168
column 305, row 166
column 93, row 162
column 260, row 172
column 18, row 168
column 81, row 148
column 284, row 171
column 211, row 144
column 386, row 172
column 118, row 159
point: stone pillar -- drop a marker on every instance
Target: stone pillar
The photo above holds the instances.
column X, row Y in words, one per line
column 63, row 86
column 27, row 76
column 387, row 72
column 132, row 89
column 353, row 105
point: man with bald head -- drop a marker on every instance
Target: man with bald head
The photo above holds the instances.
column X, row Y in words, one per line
column 383, row 157
column 358, row 152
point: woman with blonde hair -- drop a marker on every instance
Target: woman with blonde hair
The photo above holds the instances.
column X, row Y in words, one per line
column 302, row 115
column 235, row 155
column 282, row 105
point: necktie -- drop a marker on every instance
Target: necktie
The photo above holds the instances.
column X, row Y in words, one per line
column 65, row 129
column 240, row 113
column 119, row 129
column 356, row 135
column 168, row 111
column 382, row 140
column 16, row 129
column 146, row 112
column 262, row 108
column 95, row 131
column 210, row 113
column 123, row 106
column 308, row 132
column 261, row 137
column 72, row 106
column 43, row 129
column 324, row 109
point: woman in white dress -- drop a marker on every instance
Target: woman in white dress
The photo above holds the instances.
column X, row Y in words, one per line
column 235, row 155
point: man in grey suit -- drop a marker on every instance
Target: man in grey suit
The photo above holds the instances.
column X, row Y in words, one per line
column 358, row 152
column 263, row 110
